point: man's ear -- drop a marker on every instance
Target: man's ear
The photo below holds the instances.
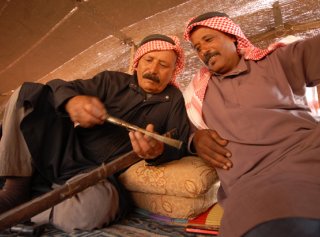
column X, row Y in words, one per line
column 234, row 39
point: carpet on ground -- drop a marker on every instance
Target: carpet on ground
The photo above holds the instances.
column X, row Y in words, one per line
column 141, row 223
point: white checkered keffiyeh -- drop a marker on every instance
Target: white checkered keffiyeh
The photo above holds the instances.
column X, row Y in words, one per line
column 159, row 45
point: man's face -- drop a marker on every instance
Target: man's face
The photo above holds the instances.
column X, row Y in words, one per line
column 155, row 70
column 216, row 49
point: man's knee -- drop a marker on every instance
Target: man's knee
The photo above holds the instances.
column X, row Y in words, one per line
column 92, row 208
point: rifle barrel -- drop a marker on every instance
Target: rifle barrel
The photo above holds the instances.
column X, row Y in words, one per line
column 37, row 205
column 167, row 140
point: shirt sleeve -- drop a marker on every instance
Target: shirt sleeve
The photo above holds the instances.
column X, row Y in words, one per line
column 65, row 90
column 301, row 62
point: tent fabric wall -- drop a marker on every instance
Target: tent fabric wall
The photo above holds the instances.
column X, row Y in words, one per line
column 73, row 39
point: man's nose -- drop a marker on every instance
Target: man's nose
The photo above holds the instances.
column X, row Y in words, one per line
column 154, row 67
column 204, row 51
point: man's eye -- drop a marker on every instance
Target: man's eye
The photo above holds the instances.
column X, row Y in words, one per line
column 163, row 65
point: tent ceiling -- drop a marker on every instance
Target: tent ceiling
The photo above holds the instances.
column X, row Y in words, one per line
column 34, row 32
column 69, row 39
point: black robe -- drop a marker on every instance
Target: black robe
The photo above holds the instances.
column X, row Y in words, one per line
column 59, row 151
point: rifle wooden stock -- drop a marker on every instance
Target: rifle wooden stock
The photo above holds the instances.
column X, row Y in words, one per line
column 37, row 205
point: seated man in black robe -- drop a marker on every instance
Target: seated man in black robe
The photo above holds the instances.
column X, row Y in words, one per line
column 55, row 132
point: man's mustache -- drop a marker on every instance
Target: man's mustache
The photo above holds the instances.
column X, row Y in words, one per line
column 209, row 55
column 151, row 77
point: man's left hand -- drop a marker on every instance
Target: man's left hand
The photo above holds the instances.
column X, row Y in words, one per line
column 145, row 146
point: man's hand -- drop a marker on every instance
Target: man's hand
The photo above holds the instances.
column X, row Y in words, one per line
column 86, row 111
column 211, row 147
column 145, row 146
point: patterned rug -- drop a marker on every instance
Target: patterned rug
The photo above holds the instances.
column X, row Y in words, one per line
column 138, row 224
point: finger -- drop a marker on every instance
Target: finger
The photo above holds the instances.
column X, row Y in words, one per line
column 144, row 146
column 101, row 110
column 220, row 150
column 217, row 138
column 216, row 159
column 214, row 163
column 76, row 124
column 96, row 109
column 94, row 112
column 156, row 147
column 140, row 144
column 220, row 165
column 134, row 142
column 220, row 155
column 144, row 142
column 150, row 127
column 86, row 119
column 204, row 141
column 222, row 161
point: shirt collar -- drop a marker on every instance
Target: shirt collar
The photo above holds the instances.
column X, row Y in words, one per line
column 240, row 68
column 162, row 96
column 134, row 85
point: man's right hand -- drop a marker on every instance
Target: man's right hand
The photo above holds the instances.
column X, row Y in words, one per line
column 211, row 147
column 86, row 111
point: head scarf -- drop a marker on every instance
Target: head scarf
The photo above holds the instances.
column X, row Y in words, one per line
column 222, row 22
column 195, row 92
column 157, row 42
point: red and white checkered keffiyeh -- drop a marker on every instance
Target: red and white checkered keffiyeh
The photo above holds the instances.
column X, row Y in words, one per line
column 160, row 45
column 195, row 92
column 226, row 25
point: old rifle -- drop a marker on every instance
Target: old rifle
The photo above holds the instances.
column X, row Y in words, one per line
column 39, row 204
